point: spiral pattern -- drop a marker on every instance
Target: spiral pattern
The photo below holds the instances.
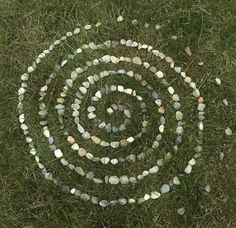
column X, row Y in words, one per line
column 98, row 100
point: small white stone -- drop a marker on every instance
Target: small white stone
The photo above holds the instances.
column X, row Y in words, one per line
column 176, row 180
column 146, row 197
column 171, row 90
column 98, row 94
column 218, row 81
column 87, row 27
column 82, row 152
column 114, row 180
column 165, row 188
column 105, row 160
column 114, row 59
column 58, row 153
column 106, row 58
column 120, row 88
column 154, row 169
column 80, row 171
column 157, row 27
column 30, row 69
column 114, row 161
column 83, row 90
column 188, row 169
column 114, row 144
column 91, row 109
column 181, row 211
column 124, row 179
column 179, row 115
column 228, row 131
column 46, row 133
column 159, row 74
column 91, row 115
column 128, row 91
column 192, row 162
column 75, row 146
column 207, row 188
column 130, row 139
column 89, row 156
column 103, row 203
column 225, row 101
column 155, row 195
column 76, row 31
column 161, row 128
column 137, row 60
column 120, row 18
column 196, row 93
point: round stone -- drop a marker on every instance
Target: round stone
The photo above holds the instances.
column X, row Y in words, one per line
column 165, row 188
column 124, row 179
column 75, row 146
column 137, row 60
column 82, row 152
column 114, row 180
column 70, row 139
column 105, row 160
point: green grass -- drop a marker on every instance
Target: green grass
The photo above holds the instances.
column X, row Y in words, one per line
column 207, row 27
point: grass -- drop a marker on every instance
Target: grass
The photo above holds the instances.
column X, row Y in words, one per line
column 207, row 27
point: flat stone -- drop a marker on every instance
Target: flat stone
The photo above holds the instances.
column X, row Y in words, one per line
column 87, row 27
column 146, row 197
column 86, row 135
column 80, row 171
column 82, row 152
column 165, row 188
column 122, row 201
column 103, row 203
column 104, row 143
column 114, row 144
column 105, row 160
column 188, row 169
column 179, row 115
column 98, row 94
column 95, row 139
column 137, row 60
column 92, row 115
column 130, row 139
column 90, row 175
column 176, row 180
column 75, row 146
column 155, row 195
column 154, row 169
column 114, row 161
column 83, row 90
column 114, row 180
column 58, row 153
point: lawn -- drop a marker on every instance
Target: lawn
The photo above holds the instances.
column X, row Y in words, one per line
column 198, row 35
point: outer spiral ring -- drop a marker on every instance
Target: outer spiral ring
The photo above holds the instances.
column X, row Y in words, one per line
column 33, row 151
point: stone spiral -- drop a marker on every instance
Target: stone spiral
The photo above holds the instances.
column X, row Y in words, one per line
column 80, row 103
